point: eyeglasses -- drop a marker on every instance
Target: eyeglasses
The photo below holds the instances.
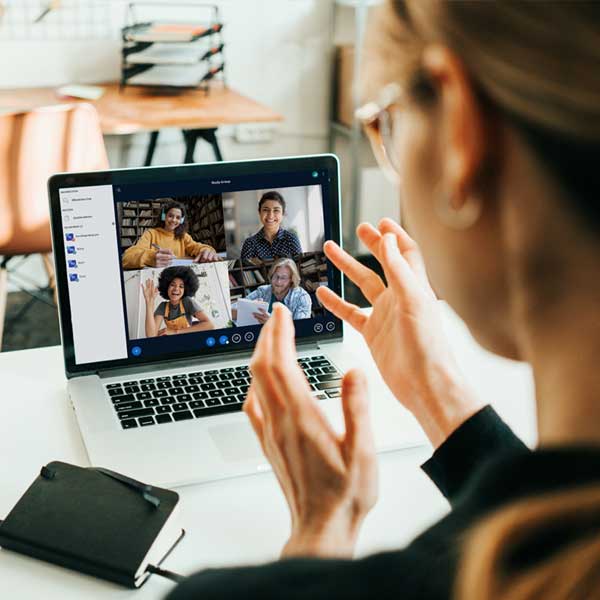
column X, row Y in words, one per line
column 277, row 277
column 381, row 123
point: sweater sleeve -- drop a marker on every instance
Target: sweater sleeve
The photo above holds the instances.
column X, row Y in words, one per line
column 377, row 576
column 193, row 248
column 141, row 254
column 467, row 448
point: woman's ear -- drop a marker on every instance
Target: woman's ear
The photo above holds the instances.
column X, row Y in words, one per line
column 463, row 126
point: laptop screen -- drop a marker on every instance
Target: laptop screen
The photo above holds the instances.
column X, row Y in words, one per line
column 190, row 263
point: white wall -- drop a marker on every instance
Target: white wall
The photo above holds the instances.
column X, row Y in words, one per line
column 278, row 52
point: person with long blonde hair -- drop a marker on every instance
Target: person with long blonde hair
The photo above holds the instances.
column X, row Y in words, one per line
column 487, row 115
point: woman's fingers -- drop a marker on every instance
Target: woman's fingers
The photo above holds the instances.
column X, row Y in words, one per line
column 280, row 384
column 358, row 445
column 371, row 238
column 255, row 416
column 369, row 282
column 399, row 275
column 288, row 378
column 359, row 436
column 283, row 335
column 268, row 443
column 342, row 309
column 405, row 242
column 409, row 249
column 259, row 364
column 268, row 368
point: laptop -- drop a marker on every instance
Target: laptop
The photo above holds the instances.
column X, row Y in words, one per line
column 156, row 348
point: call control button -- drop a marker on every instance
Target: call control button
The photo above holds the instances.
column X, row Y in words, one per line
column 236, row 338
column 318, row 327
column 210, row 341
column 330, row 326
column 249, row 336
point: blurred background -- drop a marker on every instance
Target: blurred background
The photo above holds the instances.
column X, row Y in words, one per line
column 278, row 78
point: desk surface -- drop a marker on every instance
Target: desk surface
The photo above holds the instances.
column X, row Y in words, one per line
column 236, row 521
column 136, row 109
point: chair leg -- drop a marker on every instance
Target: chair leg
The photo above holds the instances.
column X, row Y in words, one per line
column 49, row 266
column 3, row 294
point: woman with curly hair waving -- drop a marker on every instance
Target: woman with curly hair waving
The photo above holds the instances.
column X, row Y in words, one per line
column 177, row 285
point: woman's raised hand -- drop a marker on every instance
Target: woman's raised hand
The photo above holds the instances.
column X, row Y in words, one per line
column 329, row 481
column 404, row 330
column 150, row 291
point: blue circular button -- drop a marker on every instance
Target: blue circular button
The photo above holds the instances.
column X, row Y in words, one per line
column 223, row 340
column 210, row 341
column 136, row 351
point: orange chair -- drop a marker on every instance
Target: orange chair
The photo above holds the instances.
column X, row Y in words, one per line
column 33, row 146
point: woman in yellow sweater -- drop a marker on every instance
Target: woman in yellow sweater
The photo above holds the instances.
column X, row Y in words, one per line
column 159, row 245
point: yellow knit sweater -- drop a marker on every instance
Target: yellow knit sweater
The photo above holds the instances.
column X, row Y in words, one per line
column 143, row 254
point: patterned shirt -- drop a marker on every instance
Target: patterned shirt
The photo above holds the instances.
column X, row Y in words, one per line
column 285, row 244
column 297, row 300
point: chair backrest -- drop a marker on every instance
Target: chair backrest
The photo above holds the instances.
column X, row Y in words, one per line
column 33, row 146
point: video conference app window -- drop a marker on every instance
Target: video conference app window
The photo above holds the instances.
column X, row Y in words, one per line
column 215, row 261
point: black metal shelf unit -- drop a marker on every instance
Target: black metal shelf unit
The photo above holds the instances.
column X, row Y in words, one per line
column 172, row 54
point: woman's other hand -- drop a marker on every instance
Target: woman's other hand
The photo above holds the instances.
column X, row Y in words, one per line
column 150, row 291
column 329, row 481
column 164, row 257
column 207, row 255
column 404, row 330
column 262, row 316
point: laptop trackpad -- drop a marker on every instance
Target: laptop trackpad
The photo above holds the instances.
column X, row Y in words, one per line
column 236, row 442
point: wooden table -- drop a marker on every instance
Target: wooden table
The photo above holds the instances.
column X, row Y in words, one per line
column 136, row 109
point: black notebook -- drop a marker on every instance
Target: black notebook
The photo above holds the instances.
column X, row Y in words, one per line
column 94, row 521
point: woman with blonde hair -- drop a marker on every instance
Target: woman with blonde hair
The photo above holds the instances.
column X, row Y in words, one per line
column 488, row 117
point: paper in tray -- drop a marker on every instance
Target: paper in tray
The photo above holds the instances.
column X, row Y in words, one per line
column 171, row 75
column 171, row 54
column 168, row 32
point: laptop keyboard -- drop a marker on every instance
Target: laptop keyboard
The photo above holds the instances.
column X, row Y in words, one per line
column 156, row 400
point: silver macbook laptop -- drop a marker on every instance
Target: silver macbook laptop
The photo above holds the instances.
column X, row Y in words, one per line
column 165, row 276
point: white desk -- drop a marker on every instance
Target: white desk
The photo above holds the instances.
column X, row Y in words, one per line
column 229, row 522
